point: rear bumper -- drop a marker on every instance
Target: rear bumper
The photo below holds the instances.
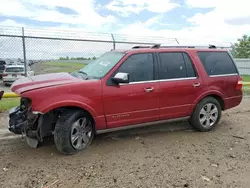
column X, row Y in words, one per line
column 233, row 101
column 9, row 79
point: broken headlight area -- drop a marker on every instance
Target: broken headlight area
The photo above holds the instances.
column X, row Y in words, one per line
column 21, row 117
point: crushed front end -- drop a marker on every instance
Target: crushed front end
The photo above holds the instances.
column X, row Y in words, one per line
column 23, row 121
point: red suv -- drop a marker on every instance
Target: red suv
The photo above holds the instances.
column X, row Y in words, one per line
column 127, row 89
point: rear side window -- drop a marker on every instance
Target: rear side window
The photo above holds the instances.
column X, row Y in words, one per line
column 175, row 65
column 217, row 63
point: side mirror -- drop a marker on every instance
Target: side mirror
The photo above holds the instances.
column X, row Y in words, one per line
column 121, row 77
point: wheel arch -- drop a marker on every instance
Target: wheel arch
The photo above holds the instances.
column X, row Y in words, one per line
column 217, row 95
column 49, row 119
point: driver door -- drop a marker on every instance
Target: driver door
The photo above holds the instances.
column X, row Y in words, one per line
column 134, row 102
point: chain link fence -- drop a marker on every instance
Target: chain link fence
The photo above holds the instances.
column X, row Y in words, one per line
column 50, row 50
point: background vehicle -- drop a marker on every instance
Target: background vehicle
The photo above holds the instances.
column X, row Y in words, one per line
column 15, row 72
column 2, row 67
column 127, row 89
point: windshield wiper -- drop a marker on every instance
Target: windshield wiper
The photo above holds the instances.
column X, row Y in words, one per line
column 83, row 72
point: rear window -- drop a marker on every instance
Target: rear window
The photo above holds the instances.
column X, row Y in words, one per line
column 217, row 63
column 14, row 69
column 2, row 63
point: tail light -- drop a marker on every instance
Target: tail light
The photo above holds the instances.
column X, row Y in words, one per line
column 3, row 75
column 239, row 83
column 22, row 74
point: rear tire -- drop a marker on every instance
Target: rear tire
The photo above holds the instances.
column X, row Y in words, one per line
column 73, row 132
column 206, row 114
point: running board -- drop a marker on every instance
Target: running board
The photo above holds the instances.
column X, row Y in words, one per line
column 141, row 125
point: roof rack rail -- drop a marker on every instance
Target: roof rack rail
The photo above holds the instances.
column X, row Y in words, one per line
column 210, row 46
column 134, row 47
column 153, row 46
column 177, row 46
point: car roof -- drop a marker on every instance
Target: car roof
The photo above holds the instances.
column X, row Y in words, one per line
column 154, row 48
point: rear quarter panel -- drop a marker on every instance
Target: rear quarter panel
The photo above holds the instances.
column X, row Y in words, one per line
column 211, row 85
column 222, row 86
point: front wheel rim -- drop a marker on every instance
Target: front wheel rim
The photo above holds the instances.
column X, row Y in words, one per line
column 81, row 133
column 208, row 115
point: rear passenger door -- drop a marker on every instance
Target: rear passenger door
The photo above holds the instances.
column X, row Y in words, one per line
column 179, row 84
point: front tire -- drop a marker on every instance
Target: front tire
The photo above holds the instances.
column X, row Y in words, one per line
column 206, row 115
column 73, row 132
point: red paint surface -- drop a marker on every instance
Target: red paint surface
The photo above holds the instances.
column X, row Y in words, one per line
column 115, row 106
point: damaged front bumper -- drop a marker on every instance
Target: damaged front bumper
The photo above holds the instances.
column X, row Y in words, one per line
column 17, row 120
column 34, row 125
column 22, row 120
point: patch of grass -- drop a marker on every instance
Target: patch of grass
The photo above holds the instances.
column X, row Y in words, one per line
column 66, row 64
column 54, row 67
column 7, row 103
column 246, row 78
column 246, row 90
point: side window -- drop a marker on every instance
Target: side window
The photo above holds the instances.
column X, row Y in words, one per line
column 217, row 63
column 172, row 65
column 139, row 66
column 190, row 67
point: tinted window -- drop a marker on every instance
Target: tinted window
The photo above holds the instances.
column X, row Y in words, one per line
column 15, row 69
column 139, row 66
column 175, row 65
column 189, row 65
column 217, row 63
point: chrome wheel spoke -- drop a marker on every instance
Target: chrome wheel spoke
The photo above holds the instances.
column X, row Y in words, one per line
column 79, row 142
column 209, row 106
column 208, row 115
column 203, row 119
column 213, row 118
column 214, row 111
column 85, row 138
column 203, row 112
column 81, row 133
column 87, row 129
column 82, row 122
column 208, row 122
column 74, row 138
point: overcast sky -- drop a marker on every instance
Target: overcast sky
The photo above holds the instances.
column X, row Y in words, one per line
column 215, row 19
column 198, row 20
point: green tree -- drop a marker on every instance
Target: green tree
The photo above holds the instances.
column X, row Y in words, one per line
column 242, row 47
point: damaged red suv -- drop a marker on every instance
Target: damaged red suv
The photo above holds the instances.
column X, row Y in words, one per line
column 141, row 86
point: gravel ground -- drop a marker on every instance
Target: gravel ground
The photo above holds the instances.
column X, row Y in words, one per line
column 146, row 157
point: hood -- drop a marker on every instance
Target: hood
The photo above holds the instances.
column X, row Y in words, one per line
column 41, row 81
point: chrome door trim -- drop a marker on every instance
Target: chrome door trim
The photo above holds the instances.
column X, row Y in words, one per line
column 220, row 75
column 140, row 125
column 164, row 80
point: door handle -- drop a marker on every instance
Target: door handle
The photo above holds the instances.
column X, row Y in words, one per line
column 197, row 84
column 150, row 89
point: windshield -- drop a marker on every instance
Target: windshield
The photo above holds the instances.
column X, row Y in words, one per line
column 14, row 69
column 101, row 66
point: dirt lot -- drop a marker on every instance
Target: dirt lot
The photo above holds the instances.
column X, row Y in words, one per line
column 148, row 157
